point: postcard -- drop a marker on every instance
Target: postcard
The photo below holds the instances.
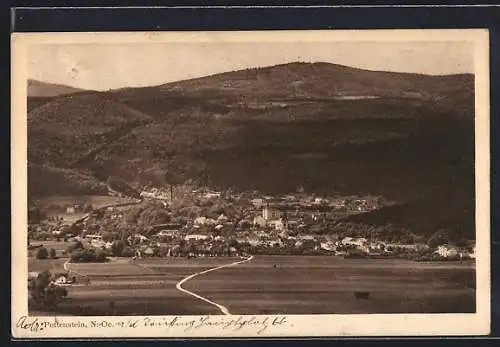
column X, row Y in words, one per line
column 250, row 184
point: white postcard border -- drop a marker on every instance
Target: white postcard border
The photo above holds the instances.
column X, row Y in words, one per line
column 275, row 326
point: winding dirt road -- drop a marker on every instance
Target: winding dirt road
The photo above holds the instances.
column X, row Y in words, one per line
column 222, row 308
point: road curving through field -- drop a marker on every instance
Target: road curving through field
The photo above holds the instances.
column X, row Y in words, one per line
column 222, row 308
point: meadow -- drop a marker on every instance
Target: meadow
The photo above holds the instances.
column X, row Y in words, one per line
column 326, row 285
column 124, row 288
column 272, row 285
column 53, row 265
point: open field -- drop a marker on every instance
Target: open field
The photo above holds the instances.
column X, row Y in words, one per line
column 37, row 265
column 58, row 246
column 134, row 289
column 271, row 285
column 67, row 217
column 317, row 285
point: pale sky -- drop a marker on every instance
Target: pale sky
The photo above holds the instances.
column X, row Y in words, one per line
column 110, row 66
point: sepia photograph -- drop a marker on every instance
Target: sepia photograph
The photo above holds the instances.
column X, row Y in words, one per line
column 250, row 181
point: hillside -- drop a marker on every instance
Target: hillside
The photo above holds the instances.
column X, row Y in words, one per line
column 49, row 181
column 299, row 83
column 67, row 128
column 325, row 127
column 446, row 208
column 321, row 80
column 45, row 89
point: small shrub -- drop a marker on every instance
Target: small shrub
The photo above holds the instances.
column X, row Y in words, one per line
column 128, row 252
column 71, row 248
column 52, row 253
column 100, row 256
column 88, row 256
column 42, row 253
column 117, row 248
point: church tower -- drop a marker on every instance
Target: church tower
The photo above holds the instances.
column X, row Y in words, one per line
column 265, row 211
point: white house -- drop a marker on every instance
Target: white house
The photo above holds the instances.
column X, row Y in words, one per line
column 254, row 241
column 204, row 220
column 354, row 241
column 32, row 274
column 91, row 238
column 98, row 244
column 257, row 202
column 195, row 237
column 307, row 237
column 212, row 195
column 70, row 210
column 200, row 220
column 222, row 218
column 166, row 233
column 61, row 280
column 259, row 221
column 140, row 237
column 328, row 246
column 277, row 224
column 318, row 201
column 446, row 251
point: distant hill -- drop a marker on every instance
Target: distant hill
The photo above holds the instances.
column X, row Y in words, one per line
column 325, row 127
column 298, row 83
column 322, row 80
column 45, row 89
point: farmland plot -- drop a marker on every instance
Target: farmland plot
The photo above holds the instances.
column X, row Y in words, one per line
column 272, row 285
column 124, row 287
column 317, row 285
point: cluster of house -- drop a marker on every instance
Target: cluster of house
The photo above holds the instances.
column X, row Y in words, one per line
column 270, row 227
column 160, row 193
column 156, row 193
column 56, row 229
column 449, row 251
column 353, row 204
column 61, row 279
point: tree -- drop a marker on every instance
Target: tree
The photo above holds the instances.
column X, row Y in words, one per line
column 234, row 243
column 42, row 253
column 117, row 247
column 128, row 252
column 110, row 236
column 71, row 248
column 100, row 256
column 43, row 293
column 153, row 215
column 52, row 253
column 88, row 256
column 438, row 238
column 36, row 215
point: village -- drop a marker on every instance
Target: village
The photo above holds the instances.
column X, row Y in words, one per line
column 228, row 224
